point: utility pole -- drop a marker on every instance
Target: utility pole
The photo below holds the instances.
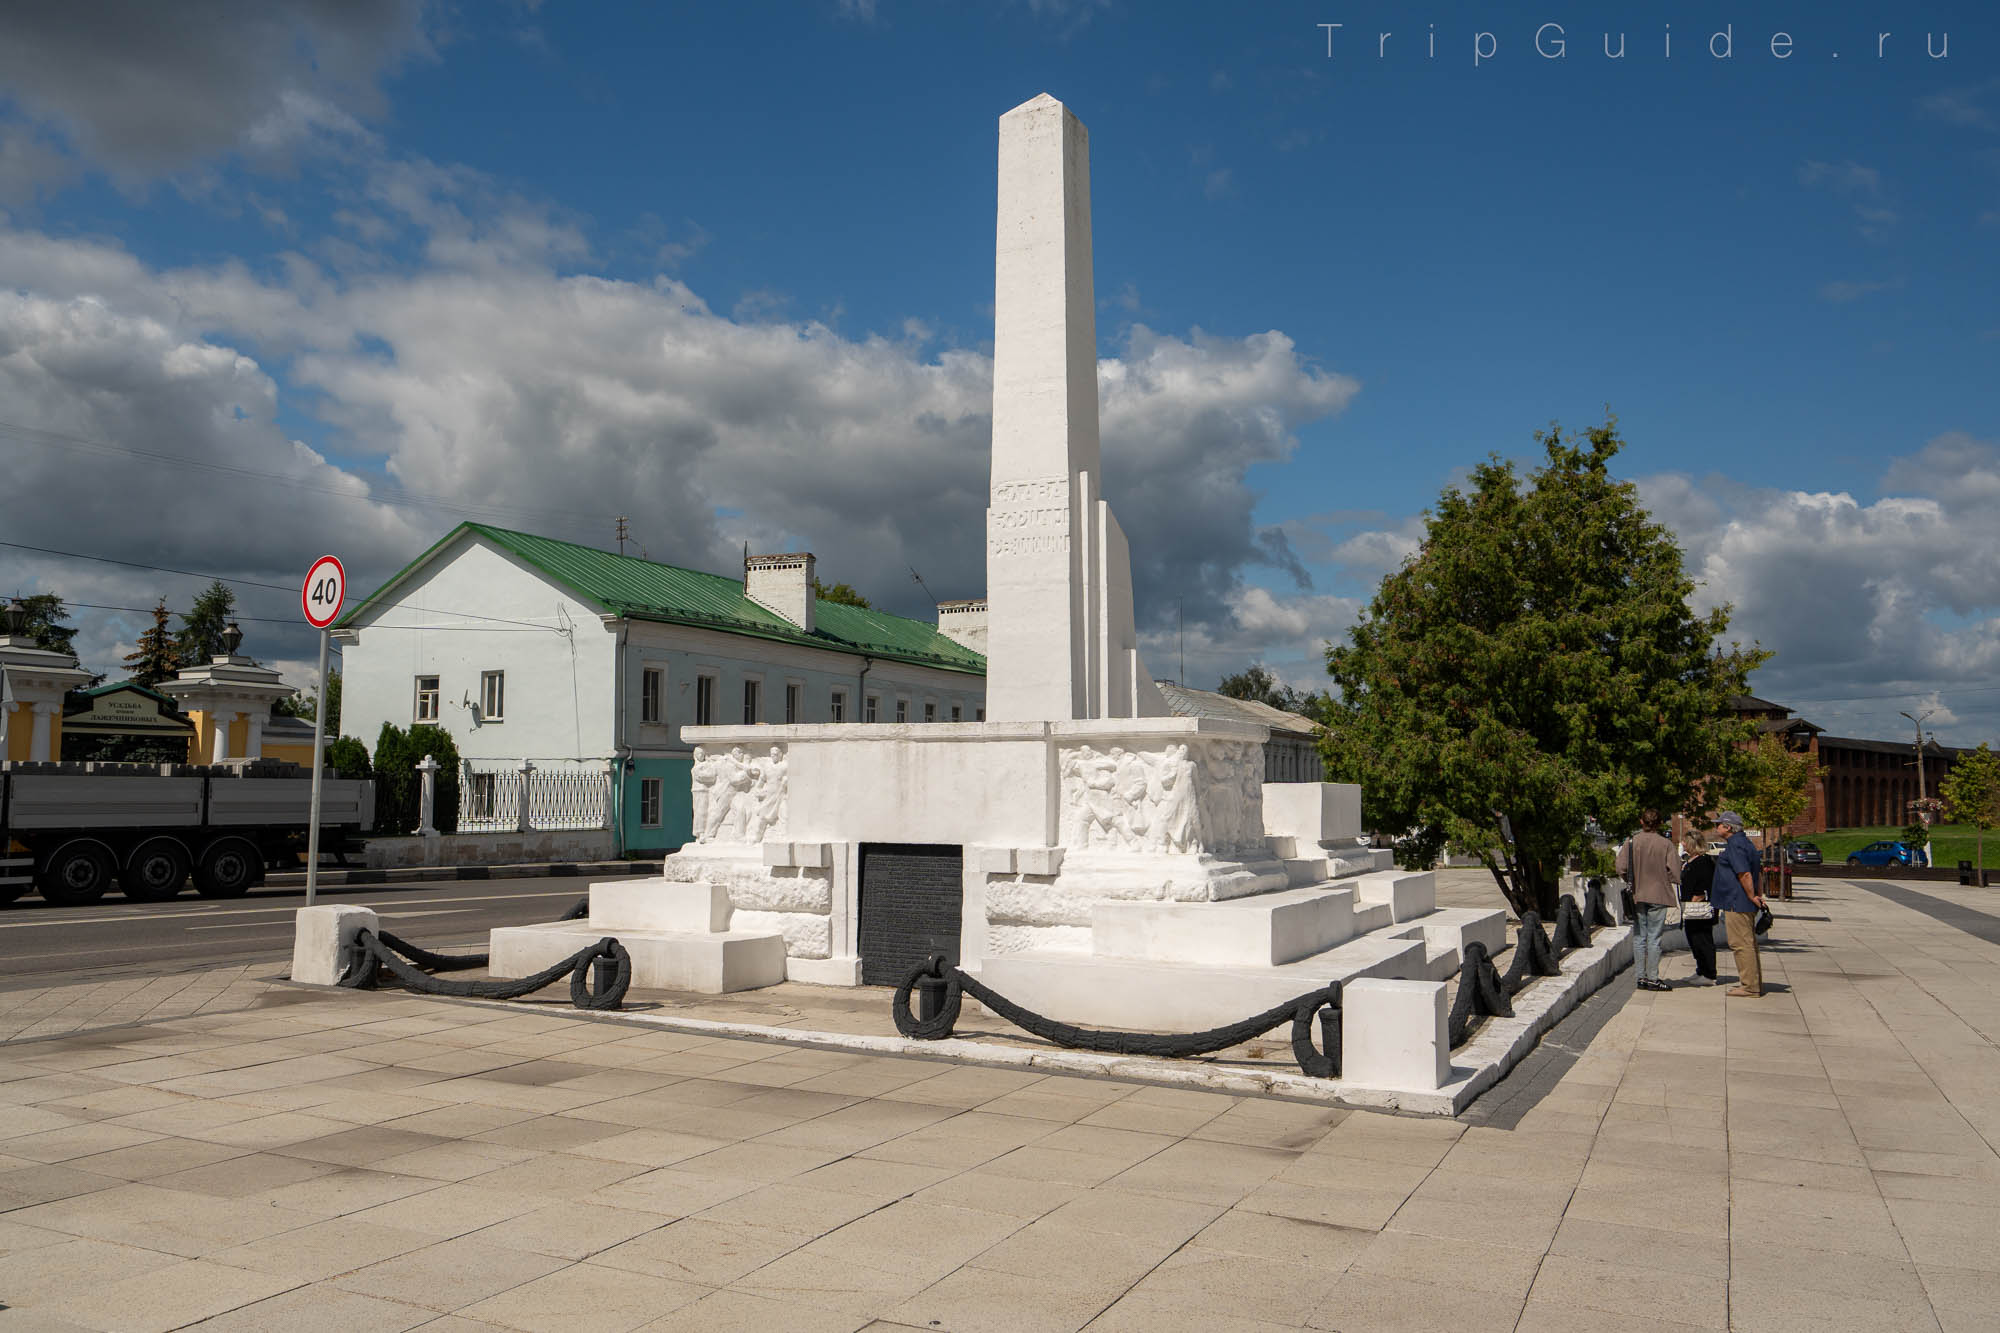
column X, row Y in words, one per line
column 621, row 533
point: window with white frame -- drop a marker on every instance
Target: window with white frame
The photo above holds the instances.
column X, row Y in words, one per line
column 704, row 701
column 427, row 699
column 753, row 701
column 979, row 713
column 930, row 710
column 958, row 712
column 837, row 706
column 874, row 707
column 794, row 692
column 649, row 802
column 480, row 796
column 492, row 696
column 902, row 710
column 652, row 694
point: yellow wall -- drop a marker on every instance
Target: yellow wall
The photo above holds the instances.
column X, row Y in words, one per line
column 21, row 733
column 302, row 755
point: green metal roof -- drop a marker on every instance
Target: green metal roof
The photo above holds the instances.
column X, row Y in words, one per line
column 625, row 585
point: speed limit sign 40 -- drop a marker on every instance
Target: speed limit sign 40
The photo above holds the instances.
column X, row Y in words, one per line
column 325, row 588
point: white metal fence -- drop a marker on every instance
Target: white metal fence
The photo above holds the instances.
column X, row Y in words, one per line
column 501, row 797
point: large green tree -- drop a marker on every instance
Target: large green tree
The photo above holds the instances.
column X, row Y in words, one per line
column 200, row 637
column 841, row 593
column 154, row 659
column 1972, row 790
column 1534, row 666
column 48, row 623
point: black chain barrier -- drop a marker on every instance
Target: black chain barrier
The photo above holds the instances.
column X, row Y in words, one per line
column 945, row 986
column 578, row 910
column 599, row 974
column 1484, row 993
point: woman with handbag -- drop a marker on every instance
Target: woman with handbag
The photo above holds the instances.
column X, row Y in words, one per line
column 1697, row 912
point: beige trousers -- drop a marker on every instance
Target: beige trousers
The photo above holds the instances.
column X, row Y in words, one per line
column 1743, row 942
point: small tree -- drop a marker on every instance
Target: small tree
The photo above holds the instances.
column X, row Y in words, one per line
column 1537, row 663
column 348, row 758
column 154, row 659
column 1259, row 684
column 306, row 705
column 1775, row 785
column 200, row 637
column 841, row 593
column 1972, row 790
column 395, row 782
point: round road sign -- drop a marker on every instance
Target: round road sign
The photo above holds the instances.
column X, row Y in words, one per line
column 325, row 587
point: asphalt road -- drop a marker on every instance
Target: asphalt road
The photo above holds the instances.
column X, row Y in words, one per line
column 41, row 945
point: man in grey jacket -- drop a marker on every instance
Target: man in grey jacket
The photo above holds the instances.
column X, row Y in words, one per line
column 1651, row 866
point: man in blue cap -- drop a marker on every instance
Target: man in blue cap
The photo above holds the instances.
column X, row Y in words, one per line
column 1734, row 893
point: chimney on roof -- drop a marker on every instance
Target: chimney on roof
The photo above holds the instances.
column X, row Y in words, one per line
column 964, row 623
column 782, row 583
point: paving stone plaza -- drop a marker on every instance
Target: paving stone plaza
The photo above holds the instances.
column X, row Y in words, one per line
column 223, row 1150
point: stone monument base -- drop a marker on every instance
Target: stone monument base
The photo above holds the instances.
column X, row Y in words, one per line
column 680, row 937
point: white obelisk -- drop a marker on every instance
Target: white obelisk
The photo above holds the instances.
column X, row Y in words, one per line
column 1060, row 642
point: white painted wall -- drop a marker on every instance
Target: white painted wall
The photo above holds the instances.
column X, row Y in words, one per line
column 688, row 652
column 559, row 687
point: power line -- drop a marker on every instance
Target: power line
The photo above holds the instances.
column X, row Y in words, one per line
column 254, row 583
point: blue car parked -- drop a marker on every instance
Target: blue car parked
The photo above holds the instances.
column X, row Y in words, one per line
column 1884, row 854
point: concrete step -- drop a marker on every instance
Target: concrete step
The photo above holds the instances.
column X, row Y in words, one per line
column 1408, row 894
column 1448, row 930
column 1264, row 930
column 709, row 962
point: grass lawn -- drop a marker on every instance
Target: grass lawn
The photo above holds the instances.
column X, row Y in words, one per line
column 1950, row 843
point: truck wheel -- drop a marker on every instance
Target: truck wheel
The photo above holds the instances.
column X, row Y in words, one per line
column 227, row 868
column 77, row 873
column 154, row 871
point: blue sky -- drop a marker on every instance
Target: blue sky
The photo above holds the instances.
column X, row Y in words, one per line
column 728, row 269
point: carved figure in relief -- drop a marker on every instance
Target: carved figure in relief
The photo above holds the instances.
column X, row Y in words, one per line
column 702, row 776
column 1174, row 819
column 767, row 796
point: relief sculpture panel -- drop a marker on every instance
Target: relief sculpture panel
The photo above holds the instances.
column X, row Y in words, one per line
column 738, row 797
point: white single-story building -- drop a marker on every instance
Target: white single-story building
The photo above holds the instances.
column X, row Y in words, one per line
column 529, row 648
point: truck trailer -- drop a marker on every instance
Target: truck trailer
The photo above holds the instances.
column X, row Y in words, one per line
column 72, row 830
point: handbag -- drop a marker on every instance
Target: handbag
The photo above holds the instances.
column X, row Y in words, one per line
column 1697, row 910
column 1763, row 921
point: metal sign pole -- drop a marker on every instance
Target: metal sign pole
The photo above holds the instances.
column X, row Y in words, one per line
column 319, row 761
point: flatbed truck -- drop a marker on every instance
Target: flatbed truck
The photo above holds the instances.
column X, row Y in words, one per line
column 74, row 830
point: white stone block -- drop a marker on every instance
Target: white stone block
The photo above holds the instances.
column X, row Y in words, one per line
column 1312, row 812
column 707, row 964
column 318, row 936
column 778, row 854
column 812, row 855
column 1039, row 860
column 991, row 860
column 1407, row 893
column 824, row 971
column 1395, row 1034
column 659, row 904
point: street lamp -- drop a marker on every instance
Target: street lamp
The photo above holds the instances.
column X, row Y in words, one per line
column 1919, row 724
